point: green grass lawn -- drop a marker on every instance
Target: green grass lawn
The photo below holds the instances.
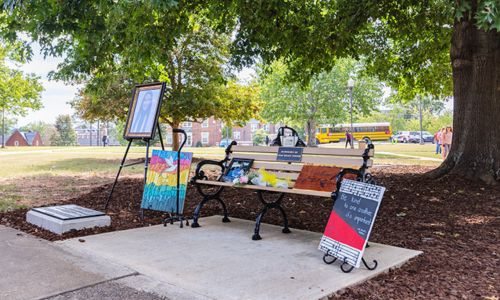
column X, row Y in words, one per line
column 36, row 175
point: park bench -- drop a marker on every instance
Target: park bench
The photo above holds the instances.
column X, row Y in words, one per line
column 350, row 161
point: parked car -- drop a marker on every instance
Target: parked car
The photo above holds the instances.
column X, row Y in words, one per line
column 412, row 137
column 224, row 143
column 426, row 136
column 405, row 136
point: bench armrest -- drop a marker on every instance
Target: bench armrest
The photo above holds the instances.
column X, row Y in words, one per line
column 361, row 176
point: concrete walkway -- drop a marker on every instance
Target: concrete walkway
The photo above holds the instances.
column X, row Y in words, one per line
column 220, row 261
column 32, row 269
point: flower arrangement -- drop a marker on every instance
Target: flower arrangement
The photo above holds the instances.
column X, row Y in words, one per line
column 264, row 178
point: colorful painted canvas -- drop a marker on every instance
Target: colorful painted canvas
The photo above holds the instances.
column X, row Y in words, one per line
column 161, row 182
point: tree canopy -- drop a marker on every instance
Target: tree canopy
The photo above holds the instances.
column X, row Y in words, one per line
column 19, row 92
column 324, row 99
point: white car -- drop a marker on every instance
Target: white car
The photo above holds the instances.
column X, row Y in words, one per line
column 405, row 136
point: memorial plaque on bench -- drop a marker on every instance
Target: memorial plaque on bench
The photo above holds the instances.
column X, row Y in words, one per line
column 290, row 154
column 351, row 221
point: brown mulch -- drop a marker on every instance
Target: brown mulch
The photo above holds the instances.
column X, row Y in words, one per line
column 455, row 222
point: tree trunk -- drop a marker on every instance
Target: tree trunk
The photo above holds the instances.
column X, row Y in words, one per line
column 311, row 133
column 475, row 150
column 3, row 127
column 175, row 136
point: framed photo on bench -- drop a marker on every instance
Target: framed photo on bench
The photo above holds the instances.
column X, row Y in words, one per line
column 144, row 111
column 237, row 168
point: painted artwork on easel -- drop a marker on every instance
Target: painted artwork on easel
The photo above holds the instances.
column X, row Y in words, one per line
column 161, row 182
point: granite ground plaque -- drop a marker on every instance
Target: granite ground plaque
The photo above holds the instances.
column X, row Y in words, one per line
column 63, row 218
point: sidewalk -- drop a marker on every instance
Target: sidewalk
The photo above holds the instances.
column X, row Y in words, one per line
column 36, row 269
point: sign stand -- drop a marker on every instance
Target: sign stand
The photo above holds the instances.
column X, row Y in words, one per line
column 177, row 216
column 346, row 267
column 346, row 234
column 123, row 165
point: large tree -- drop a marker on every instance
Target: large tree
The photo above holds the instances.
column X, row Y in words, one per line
column 19, row 92
column 323, row 100
column 437, row 47
column 65, row 134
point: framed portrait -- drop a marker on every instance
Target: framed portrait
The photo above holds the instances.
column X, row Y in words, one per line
column 144, row 110
column 237, row 168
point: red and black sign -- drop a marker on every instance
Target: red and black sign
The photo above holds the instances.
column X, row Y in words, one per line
column 351, row 221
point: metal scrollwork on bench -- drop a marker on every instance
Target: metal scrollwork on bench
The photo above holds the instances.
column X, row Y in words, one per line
column 267, row 206
column 214, row 195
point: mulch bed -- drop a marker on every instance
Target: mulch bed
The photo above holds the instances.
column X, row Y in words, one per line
column 456, row 223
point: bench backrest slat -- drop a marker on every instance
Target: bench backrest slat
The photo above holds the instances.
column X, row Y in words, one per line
column 311, row 159
column 306, row 151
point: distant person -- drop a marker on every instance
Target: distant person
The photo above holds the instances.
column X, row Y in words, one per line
column 446, row 141
column 142, row 117
column 104, row 140
column 267, row 140
column 437, row 140
column 348, row 139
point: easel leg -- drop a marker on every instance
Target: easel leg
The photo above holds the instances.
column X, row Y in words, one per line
column 146, row 162
column 117, row 175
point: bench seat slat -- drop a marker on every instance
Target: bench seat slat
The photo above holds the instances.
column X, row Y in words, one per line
column 268, row 189
column 310, row 150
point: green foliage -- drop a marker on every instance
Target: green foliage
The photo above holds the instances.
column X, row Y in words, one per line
column 259, row 137
column 66, row 135
column 18, row 91
column 47, row 131
column 325, row 99
column 112, row 45
column 405, row 43
column 227, row 132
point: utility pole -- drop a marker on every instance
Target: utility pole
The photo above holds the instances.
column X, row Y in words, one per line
column 98, row 134
column 350, row 86
column 420, row 112
column 90, row 134
column 3, row 127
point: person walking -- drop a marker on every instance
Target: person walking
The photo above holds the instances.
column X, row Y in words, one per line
column 104, row 140
column 437, row 140
column 446, row 141
column 348, row 138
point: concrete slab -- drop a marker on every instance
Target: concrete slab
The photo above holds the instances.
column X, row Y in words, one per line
column 220, row 261
column 63, row 218
column 32, row 268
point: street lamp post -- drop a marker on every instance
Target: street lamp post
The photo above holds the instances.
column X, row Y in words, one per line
column 350, row 86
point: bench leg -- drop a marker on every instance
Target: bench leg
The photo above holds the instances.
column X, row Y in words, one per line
column 269, row 205
column 256, row 235
column 200, row 205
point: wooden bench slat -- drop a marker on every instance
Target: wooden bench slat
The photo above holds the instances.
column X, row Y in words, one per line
column 283, row 175
column 277, row 166
column 268, row 189
column 306, row 151
column 319, row 160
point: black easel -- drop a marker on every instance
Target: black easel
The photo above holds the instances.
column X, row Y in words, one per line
column 146, row 163
column 177, row 216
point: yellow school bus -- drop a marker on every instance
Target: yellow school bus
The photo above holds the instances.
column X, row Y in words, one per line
column 373, row 131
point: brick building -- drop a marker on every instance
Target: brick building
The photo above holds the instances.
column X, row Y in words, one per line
column 18, row 138
column 209, row 132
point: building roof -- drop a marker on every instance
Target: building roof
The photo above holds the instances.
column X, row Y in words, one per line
column 29, row 136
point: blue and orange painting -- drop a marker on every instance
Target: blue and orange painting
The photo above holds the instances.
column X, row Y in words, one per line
column 160, row 191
